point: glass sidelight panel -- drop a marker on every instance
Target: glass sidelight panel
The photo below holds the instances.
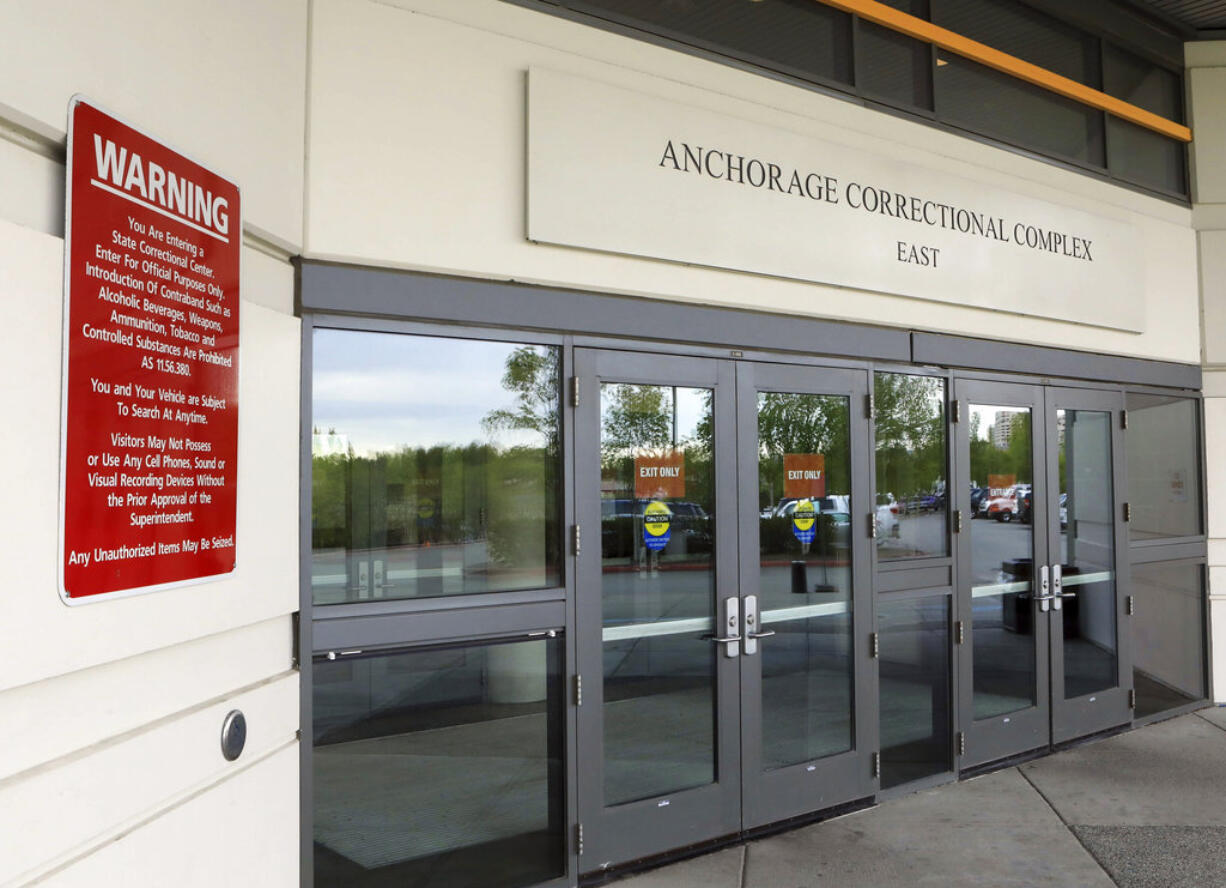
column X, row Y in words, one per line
column 1002, row 558
column 1163, row 440
column 916, row 706
column 1168, row 646
column 657, row 539
column 1087, row 551
column 912, row 501
column 440, row 768
column 429, row 482
column 805, row 582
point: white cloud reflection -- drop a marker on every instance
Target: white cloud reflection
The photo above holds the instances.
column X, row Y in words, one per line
column 385, row 391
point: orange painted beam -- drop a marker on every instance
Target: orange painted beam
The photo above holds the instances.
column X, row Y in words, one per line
column 891, row 18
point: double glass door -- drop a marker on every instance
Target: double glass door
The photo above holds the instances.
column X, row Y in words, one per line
column 1040, row 601
column 722, row 615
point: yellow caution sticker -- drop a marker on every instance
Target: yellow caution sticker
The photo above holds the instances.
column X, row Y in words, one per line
column 804, row 517
column 657, row 525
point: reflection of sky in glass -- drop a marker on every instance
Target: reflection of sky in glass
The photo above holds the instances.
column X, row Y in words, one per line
column 383, row 391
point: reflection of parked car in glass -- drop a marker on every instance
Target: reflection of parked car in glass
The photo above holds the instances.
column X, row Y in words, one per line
column 833, row 524
column 887, row 517
column 1025, row 504
column 977, row 497
column 621, row 527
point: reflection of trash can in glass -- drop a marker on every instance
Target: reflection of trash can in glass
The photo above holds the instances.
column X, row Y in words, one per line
column 1018, row 613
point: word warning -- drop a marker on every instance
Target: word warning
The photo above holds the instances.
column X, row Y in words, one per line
column 149, row 436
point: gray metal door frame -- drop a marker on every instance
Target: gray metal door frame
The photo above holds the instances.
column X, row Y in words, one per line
column 620, row 833
column 780, row 793
column 1089, row 713
column 997, row 737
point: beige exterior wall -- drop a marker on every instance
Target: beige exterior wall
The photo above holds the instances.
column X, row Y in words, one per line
column 1207, row 115
column 111, row 771
column 388, row 134
column 417, row 159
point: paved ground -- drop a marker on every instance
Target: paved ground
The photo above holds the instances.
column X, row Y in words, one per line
column 1145, row 809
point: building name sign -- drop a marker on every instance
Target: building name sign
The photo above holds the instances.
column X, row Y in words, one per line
column 622, row 172
column 871, row 199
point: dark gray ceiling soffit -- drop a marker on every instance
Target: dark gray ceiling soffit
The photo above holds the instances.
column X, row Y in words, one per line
column 347, row 289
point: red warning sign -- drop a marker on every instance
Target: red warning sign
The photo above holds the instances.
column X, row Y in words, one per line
column 660, row 477
column 804, row 475
column 149, row 436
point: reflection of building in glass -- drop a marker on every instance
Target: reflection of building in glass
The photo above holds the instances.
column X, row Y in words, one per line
column 1002, row 429
column 1060, row 428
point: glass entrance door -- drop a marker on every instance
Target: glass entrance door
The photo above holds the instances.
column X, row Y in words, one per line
column 1090, row 656
column 721, row 622
column 1038, row 596
column 805, row 669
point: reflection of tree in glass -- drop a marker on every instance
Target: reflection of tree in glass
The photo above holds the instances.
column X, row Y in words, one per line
column 910, row 431
column 457, row 493
column 797, row 423
column 532, row 375
column 637, row 418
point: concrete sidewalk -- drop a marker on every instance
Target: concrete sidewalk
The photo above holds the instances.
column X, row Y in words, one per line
column 1139, row 810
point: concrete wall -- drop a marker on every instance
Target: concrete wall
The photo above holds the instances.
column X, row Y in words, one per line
column 417, row 159
column 1206, row 63
column 110, row 767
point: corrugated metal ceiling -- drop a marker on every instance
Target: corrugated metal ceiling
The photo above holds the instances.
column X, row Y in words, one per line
column 1202, row 15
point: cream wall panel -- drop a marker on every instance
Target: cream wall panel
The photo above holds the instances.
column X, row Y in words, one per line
column 1207, row 91
column 1217, row 626
column 1205, row 54
column 40, row 635
column 442, row 188
column 224, row 82
column 53, row 718
column 267, row 281
column 33, row 192
column 1215, row 465
column 181, row 848
column 73, row 806
column 1213, row 293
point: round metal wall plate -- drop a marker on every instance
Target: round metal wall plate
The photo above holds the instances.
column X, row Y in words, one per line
column 233, row 734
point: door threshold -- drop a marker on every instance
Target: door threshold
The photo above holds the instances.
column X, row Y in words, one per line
column 1009, row 761
column 634, row 867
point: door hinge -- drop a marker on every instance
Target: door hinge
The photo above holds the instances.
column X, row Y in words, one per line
column 958, row 632
column 575, row 536
column 955, row 410
column 1128, row 605
column 578, row 690
column 578, row 838
column 869, row 408
column 874, row 644
column 961, row 743
column 1132, row 698
column 872, row 527
column 574, row 391
column 958, row 521
column 1127, row 511
column 876, row 764
column 1123, row 419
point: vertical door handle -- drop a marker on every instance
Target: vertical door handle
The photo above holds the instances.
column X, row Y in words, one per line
column 1056, row 594
column 753, row 626
column 1044, row 594
column 731, row 627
